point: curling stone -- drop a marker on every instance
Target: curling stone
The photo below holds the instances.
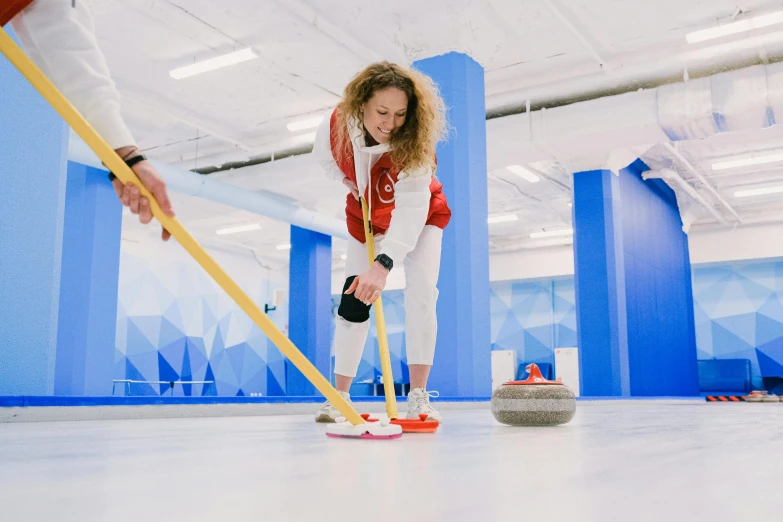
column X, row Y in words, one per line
column 534, row 401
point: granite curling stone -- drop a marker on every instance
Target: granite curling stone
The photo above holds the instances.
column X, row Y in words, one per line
column 534, row 401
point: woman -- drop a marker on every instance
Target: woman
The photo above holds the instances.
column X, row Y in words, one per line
column 380, row 143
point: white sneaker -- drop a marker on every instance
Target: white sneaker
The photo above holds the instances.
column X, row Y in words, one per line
column 328, row 413
column 419, row 402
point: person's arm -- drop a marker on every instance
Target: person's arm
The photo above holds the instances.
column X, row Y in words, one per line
column 59, row 37
column 411, row 207
column 322, row 150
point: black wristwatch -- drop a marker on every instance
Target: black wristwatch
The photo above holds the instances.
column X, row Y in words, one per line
column 385, row 261
column 130, row 163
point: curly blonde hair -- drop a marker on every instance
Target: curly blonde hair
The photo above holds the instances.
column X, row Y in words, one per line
column 412, row 146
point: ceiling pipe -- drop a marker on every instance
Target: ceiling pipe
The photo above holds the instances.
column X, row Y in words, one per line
column 257, row 202
column 648, row 69
column 670, row 175
column 698, row 175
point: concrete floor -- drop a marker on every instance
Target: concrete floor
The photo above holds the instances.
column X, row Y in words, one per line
column 629, row 461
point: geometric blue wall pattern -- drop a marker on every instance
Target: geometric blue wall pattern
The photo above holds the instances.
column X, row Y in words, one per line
column 738, row 314
column 201, row 335
column 738, row 311
column 533, row 317
column 175, row 323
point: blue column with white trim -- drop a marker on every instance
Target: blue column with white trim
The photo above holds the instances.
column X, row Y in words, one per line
column 463, row 350
column 310, row 305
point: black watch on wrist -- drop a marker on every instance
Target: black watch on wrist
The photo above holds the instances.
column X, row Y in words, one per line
column 130, row 163
column 385, row 261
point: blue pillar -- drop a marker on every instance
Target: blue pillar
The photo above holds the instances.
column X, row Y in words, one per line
column 310, row 305
column 600, row 285
column 33, row 149
column 89, row 283
column 462, row 354
column 633, row 279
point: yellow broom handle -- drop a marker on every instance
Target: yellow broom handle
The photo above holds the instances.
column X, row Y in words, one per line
column 380, row 326
column 56, row 99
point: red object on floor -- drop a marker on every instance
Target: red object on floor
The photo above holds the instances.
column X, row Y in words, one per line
column 420, row 425
column 725, row 398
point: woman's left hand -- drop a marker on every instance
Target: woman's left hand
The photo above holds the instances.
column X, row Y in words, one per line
column 367, row 286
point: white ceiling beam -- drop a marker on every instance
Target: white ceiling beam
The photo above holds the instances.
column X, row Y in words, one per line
column 189, row 120
column 355, row 46
column 282, row 73
column 570, row 22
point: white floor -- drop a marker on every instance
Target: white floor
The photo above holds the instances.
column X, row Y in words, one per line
column 617, row 461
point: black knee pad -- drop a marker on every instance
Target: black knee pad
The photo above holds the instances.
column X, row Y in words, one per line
column 351, row 309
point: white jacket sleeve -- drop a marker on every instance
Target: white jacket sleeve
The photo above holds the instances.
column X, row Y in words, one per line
column 411, row 206
column 60, row 39
column 322, row 150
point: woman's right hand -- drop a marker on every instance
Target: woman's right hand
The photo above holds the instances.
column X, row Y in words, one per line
column 352, row 186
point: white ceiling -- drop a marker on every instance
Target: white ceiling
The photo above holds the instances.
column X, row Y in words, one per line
column 550, row 52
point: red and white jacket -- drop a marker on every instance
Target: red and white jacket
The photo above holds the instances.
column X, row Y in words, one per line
column 59, row 37
column 400, row 202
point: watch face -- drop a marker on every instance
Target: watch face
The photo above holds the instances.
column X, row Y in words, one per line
column 385, row 260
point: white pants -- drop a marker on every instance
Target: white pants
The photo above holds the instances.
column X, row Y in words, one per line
column 422, row 266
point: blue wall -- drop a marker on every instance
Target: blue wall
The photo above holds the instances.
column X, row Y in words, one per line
column 533, row 317
column 738, row 308
column 739, row 314
column 175, row 323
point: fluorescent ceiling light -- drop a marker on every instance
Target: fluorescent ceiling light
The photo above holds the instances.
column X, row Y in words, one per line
column 243, row 228
column 758, row 192
column 552, row 233
column 503, row 218
column 523, row 173
column 747, row 162
column 284, row 247
column 734, row 28
column 310, row 123
column 213, row 63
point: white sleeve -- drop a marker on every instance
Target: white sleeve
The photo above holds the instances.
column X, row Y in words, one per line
column 322, row 150
column 411, row 206
column 60, row 39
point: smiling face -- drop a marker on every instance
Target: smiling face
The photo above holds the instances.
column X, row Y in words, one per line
column 384, row 113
